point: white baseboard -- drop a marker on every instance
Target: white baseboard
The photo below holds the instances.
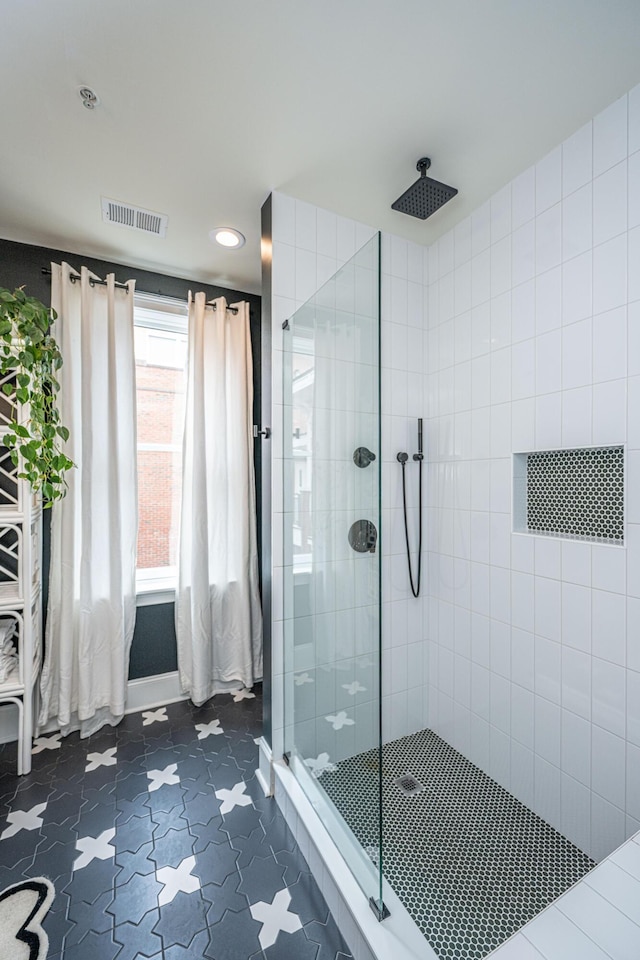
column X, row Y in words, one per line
column 145, row 693
column 149, row 692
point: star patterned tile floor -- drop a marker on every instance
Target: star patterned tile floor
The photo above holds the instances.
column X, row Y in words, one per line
column 161, row 844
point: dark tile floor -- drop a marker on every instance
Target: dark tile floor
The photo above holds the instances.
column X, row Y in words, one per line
column 161, row 844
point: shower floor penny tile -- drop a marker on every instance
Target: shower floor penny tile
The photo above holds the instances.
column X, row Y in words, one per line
column 161, row 844
column 470, row 862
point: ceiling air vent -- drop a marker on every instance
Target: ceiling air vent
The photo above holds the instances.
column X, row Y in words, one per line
column 134, row 217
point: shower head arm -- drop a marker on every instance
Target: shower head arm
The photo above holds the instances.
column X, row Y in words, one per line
column 423, row 165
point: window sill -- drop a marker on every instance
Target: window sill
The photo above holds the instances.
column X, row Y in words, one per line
column 151, row 592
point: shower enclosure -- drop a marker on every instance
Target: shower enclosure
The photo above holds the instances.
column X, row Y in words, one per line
column 468, row 860
column 332, row 631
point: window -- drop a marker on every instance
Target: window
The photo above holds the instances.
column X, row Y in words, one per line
column 161, row 355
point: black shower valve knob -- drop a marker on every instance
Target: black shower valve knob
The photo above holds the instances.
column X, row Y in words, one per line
column 362, row 457
column 363, row 536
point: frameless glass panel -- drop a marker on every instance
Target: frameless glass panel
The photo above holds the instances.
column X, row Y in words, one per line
column 332, row 553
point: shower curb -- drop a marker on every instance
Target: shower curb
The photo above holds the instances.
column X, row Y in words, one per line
column 368, row 939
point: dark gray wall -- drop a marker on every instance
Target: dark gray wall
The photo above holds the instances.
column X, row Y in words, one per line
column 148, row 656
column 154, row 641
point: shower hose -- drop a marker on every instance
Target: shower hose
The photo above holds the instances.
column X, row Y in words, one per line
column 415, row 586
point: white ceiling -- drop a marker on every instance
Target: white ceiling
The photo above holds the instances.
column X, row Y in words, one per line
column 208, row 105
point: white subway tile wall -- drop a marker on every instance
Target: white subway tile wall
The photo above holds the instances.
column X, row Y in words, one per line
column 548, row 356
column 305, row 239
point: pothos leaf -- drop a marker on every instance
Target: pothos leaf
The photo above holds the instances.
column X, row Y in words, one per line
column 28, row 350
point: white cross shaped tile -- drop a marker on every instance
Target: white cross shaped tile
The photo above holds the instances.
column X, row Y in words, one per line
column 340, row 720
column 275, row 917
column 94, row 848
column 23, row 820
column 176, row 879
column 159, row 777
column 353, row 688
column 46, row 743
column 154, row 716
column 106, row 759
column 243, row 694
column 301, row 679
column 319, row 765
column 236, row 797
column 208, row 729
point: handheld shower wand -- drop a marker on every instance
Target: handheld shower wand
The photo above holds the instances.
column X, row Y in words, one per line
column 402, row 459
column 418, row 455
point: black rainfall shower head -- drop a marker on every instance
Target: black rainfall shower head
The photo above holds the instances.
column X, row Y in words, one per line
column 425, row 196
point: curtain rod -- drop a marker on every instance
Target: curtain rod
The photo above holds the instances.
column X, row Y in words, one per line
column 123, row 286
column 92, row 281
column 214, row 306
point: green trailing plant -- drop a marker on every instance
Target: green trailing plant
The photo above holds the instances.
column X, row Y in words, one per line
column 29, row 361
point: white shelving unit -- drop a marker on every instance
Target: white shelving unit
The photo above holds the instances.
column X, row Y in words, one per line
column 20, row 593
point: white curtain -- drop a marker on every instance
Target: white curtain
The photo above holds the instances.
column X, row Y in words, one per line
column 92, row 604
column 218, row 617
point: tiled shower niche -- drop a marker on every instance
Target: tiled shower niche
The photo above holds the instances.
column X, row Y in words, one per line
column 573, row 493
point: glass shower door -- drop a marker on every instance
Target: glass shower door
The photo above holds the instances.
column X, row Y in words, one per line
column 332, row 555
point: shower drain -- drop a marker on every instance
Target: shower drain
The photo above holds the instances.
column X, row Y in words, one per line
column 408, row 784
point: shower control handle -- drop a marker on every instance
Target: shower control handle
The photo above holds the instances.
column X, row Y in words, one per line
column 362, row 457
column 363, row 536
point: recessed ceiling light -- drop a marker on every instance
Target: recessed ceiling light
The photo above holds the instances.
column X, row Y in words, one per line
column 228, row 237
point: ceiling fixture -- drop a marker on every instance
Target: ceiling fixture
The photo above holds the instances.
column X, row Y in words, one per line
column 89, row 97
column 425, row 196
column 228, row 237
column 135, row 218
